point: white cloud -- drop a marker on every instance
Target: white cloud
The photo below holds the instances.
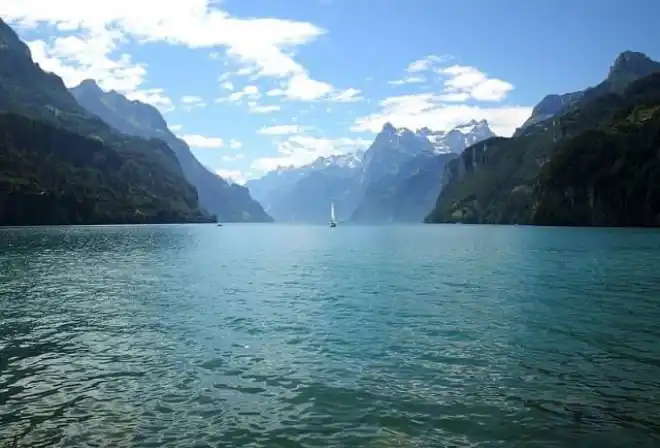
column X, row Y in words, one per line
column 191, row 102
column 233, row 158
column 91, row 55
column 470, row 80
column 98, row 27
column 299, row 150
column 193, row 23
column 275, row 92
column 439, row 111
column 302, row 87
column 235, row 144
column 458, row 97
column 199, row 141
column 255, row 108
column 248, row 92
column 426, row 109
column 76, row 58
column 236, row 96
column 191, row 99
column 425, row 64
column 282, row 129
column 227, row 85
column 461, row 82
column 347, row 96
column 247, row 71
column 234, row 176
column 407, row 80
column 251, row 90
column 175, row 127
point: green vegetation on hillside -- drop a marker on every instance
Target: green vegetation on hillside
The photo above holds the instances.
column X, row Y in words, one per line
column 500, row 181
column 59, row 164
column 605, row 177
column 49, row 175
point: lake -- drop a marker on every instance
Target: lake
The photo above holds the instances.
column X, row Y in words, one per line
column 304, row 336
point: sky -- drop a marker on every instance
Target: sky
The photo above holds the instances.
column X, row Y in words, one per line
column 256, row 84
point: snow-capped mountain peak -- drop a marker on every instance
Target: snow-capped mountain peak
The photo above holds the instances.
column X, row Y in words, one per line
column 401, row 140
column 349, row 160
column 458, row 138
column 473, row 126
column 388, row 128
column 390, row 132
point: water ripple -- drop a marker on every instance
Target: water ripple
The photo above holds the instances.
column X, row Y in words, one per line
column 292, row 336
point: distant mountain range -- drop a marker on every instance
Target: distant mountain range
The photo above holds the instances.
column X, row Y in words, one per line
column 584, row 158
column 396, row 179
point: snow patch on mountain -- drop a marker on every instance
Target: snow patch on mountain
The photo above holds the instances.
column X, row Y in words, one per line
column 458, row 138
column 352, row 160
column 424, row 139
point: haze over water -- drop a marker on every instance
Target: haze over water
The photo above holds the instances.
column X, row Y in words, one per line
column 306, row 336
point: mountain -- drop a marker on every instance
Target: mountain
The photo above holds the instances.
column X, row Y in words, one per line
column 28, row 89
column 627, row 67
column 407, row 195
column 390, row 149
column 607, row 176
column 309, row 199
column 273, row 184
column 228, row 201
column 549, row 106
column 497, row 181
column 304, row 193
column 458, row 138
column 404, row 177
column 361, row 183
column 59, row 164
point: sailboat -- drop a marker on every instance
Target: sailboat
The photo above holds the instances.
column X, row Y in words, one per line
column 333, row 221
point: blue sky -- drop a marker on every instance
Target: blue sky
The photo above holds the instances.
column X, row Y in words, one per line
column 253, row 84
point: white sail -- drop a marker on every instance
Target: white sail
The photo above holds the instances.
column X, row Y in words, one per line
column 332, row 212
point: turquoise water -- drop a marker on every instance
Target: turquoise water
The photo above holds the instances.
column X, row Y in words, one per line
column 305, row 336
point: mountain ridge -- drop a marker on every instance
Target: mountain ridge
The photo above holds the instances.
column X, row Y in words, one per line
column 228, row 201
column 627, row 67
column 62, row 165
column 495, row 181
column 286, row 191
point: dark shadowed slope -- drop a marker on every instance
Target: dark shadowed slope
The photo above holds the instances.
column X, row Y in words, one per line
column 62, row 165
column 609, row 176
